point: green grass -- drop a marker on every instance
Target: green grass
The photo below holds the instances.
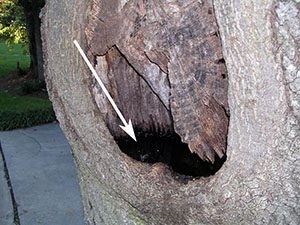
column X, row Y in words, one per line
column 10, row 55
column 23, row 111
column 20, row 111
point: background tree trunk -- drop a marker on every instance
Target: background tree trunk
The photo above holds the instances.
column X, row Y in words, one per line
column 259, row 182
column 33, row 26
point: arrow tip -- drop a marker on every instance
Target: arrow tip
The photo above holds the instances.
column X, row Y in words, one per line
column 128, row 128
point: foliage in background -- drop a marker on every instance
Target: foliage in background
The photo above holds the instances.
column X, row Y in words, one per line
column 12, row 22
column 20, row 112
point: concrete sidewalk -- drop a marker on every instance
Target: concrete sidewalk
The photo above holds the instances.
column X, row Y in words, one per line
column 43, row 178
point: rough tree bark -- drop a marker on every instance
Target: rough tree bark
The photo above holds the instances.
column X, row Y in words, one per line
column 259, row 182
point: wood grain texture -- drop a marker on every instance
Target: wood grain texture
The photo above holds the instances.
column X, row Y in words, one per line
column 170, row 73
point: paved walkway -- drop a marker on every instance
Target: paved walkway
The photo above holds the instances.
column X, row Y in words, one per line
column 42, row 175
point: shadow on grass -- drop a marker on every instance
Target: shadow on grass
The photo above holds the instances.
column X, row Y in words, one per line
column 24, row 111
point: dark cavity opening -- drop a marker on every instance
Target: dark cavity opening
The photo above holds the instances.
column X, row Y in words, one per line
column 215, row 34
column 168, row 149
column 221, row 61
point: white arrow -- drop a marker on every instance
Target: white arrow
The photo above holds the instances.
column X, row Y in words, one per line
column 127, row 126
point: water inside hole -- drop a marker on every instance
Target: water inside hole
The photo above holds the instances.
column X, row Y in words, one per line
column 168, row 149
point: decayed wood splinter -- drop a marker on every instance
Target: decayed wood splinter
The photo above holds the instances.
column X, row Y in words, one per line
column 167, row 74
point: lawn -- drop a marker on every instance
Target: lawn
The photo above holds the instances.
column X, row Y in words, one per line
column 16, row 110
column 23, row 111
column 10, row 55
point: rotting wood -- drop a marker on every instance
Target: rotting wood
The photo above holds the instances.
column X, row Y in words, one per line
column 165, row 69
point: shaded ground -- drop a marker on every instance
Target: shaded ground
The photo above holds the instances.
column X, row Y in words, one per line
column 15, row 85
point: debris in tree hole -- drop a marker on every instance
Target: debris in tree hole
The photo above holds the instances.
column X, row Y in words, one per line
column 168, row 149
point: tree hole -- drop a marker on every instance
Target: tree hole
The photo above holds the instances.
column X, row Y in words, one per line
column 221, row 61
column 168, row 149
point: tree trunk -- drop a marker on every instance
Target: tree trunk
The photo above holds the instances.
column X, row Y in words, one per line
column 164, row 64
column 33, row 26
